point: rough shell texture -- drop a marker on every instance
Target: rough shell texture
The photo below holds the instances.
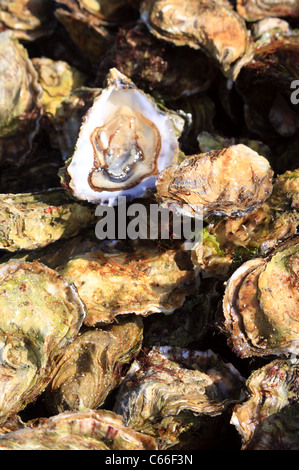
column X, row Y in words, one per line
column 233, row 181
column 146, row 281
column 172, row 390
column 261, row 303
column 268, row 420
column 253, row 10
column 30, row 221
column 40, row 313
column 86, row 430
column 91, row 366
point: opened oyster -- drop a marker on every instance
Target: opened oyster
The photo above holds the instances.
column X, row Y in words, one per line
column 41, row 313
column 86, row 430
column 90, row 367
column 30, row 221
column 232, row 181
column 261, row 301
column 253, row 10
column 20, row 96
column 268, row 420
column 146, row 281
column 124, row 142
column 173, row 390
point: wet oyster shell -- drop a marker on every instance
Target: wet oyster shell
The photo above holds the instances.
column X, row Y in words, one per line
column 30, row 221
column 232, row 181
column 27, row 19
column 210, row 25
column 20, row 96
column 253, row 10
column 124, row 142
column 41, row 313
column 261, row 301
column 268, row 420
column 91, row 366
column 86, row 430
column 173, row 390
column 146, row 281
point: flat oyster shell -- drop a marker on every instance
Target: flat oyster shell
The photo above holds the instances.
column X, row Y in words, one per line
column 173, row 390
column 261, row 301
column 91, row 366
column 30, row 221
column 85, row 430
column 124, row 142
column 211, row 25
column 268, row 419
column 41, row 313
column 253, row 10
column 233, row 181
column 146, row 281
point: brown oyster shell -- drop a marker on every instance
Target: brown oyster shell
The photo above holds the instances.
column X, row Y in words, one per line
column 252, row 10
column 233, row 181
column 261, row 301
column 40, row 313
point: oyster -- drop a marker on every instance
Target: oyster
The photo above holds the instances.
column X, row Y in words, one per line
column 27, row 19
column 211, row 25
column 173, row 390
column 261, row 301
column 124, row 142
column 146, row 281
column 253, row 10
column 268, row 420
column 31, row 221
column 85, row 430
column 90, row 367
column 232, row 181
column 20, row 96
column 41, row 313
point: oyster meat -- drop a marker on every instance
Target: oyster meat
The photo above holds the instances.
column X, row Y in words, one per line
column 78, row 430
column 124, row 142
column 146, row 281
column 91, row 366
column 268, row 419
column 30, row 221
column 261, row 302
column 233, row 181
column 173, row 390
column 40, row 313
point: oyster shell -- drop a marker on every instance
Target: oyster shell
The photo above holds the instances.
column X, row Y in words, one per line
column 41, row 313
column 211, row 25
column 146, row 281
column 253, row 10
column 232, row 181
column 173, row 390
column 30, row 221
column 261, row 301
column 85, row 430
column 268, row 420
column 27, row 19
column 124, row 142
column 90, row 367
column 20, row 96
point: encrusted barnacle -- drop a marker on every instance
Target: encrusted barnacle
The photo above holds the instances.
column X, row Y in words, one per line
column 261, row 301
column 201, row 24
column 20, row 101
column 30, row 221
column 268, row 419
column 40, row 313
column 173, row 390
column 233, row 181
column 143, row 282
column 253, row 10
column 124, row 142
column 78, row 430
column 91, row 366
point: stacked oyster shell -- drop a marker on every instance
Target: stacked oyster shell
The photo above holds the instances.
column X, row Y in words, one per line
column 119, row 331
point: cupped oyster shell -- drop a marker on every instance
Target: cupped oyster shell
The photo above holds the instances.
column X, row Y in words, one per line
column 124, row 142
column 253, row 10
column 40, row 313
